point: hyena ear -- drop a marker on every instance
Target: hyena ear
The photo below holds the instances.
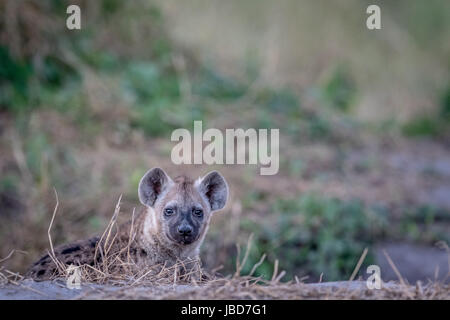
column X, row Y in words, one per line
column 214, row 188
column 152, row 184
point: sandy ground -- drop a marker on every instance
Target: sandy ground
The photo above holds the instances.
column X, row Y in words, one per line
column 414, row 262
column 56, row 290
column 429, row 265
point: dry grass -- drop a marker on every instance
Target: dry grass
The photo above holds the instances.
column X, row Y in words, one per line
column 121, row 279
column 247, row 288
column 114, row 264
column 7, row 276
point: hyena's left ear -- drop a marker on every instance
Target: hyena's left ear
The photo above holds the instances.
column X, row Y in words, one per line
column 214, row 188
column 152, row 184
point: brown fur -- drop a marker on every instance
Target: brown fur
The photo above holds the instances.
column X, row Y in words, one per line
column 151, row 244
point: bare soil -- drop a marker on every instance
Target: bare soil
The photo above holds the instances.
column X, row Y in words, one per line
column 226, row 289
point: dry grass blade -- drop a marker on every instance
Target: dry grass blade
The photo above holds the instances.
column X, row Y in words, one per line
column 261, row 260
column 275, row 270
column 131, row 236
column 279, row 277
column 358, row 265
column 11, row 254
column 399, row 276
column 7, row 276
column 241, row 264
column 102, row 244
column 238, row 262
column 59, row 265
column 444, row 245
column 247, row 251
column 111, row 225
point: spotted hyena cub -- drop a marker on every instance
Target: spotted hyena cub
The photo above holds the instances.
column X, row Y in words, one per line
column 172, row 228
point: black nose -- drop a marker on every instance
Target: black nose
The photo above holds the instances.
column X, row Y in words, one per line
column 184, row 229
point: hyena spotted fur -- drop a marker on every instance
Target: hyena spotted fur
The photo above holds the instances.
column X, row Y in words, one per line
column 171, row 228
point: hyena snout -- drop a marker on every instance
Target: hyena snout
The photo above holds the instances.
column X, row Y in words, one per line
column 185, row 232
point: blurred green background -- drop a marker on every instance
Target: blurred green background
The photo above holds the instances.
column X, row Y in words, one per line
column 364, row 119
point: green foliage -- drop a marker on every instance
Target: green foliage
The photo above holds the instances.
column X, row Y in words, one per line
column 433, row 125
column 340, row 89
column 422, row 126
column 9, row 195
column 111, row 6
column 9, row 183
column 37, row 151
column 25, row 86
column 135, row 178
column 318, row 127
column 422, row 19
column 212, row 84
column 296, row 167
column 30, row 80
column 150, row 117
column 14, row 75
column 55, row 72
column 313, row 234
column 104, row 61
column 281, row 108
column 146, row 81
column 280, row 101
column 58, row 81
column 424, row 224
column 444, row 111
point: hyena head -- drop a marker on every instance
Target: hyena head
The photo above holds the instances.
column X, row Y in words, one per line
column 182, row 208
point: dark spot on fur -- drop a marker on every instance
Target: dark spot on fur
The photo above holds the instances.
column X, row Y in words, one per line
column 41, row 272
column 93, row 242
column 42, row 260
column 70, row 250
column 43, row 263
column 69, row 262
column 143, row 253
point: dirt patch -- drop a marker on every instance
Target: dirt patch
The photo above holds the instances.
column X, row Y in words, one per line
column 414, row 262
column 224, row 289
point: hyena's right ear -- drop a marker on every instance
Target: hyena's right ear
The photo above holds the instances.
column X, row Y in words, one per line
column 214, row 188
column 152, row 184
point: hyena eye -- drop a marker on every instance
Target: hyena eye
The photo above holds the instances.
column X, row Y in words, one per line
column 198, row 212
column 168, row 212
